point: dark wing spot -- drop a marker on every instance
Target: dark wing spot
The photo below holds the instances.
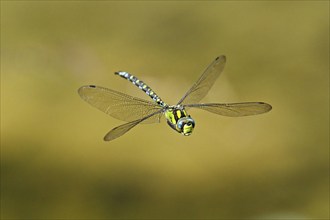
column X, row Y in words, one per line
column 92, row 86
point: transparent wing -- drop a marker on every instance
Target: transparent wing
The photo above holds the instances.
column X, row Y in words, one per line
column 235, row 109
column 122, row 129
column 199, row 90
column 119, row 105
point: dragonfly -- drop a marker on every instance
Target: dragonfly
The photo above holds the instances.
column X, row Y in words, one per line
column 136, row 111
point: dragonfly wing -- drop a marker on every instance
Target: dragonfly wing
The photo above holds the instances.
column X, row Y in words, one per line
column 119, row 105
column 234, row 109
column 199, row 90
column 122, row 129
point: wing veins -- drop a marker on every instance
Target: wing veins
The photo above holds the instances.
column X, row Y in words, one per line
column 122, row 129
column 234, row 109
column 118, row 105
column 205, row 82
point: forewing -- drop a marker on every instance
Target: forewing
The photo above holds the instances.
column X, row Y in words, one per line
column 199, row 90
column 122, row 129
column 235, row 109
column 119, row 105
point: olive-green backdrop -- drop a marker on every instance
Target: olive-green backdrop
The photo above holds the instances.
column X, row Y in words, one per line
column 55, row 164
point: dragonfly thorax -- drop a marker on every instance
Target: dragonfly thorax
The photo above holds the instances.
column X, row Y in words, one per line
column 179, row 120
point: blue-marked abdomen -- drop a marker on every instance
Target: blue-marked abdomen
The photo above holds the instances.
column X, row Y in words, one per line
column 144, row 87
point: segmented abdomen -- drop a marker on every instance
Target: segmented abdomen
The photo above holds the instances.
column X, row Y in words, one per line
column 144, row 87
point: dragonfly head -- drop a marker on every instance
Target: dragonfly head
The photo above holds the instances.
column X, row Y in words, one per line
column 185, row 125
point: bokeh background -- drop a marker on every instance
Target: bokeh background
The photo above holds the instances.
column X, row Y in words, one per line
column 55, row 164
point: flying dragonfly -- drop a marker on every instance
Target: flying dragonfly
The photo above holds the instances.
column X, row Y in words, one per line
column 135, row 111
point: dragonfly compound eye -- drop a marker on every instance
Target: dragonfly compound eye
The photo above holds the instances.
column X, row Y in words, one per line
column 186, row 125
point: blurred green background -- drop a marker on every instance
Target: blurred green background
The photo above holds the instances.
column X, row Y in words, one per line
column 55, row 164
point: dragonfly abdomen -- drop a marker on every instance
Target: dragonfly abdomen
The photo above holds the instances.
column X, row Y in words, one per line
column 141, row 85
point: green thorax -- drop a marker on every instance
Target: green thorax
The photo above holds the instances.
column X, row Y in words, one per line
column 179, row 120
